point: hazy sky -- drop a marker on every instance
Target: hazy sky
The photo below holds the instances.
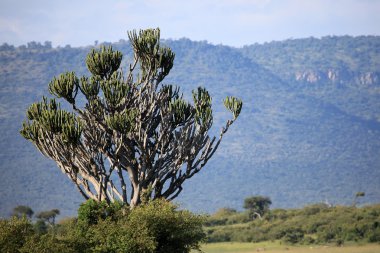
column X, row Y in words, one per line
column 228, row 22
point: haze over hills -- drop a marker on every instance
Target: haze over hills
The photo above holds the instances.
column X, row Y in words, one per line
column 309, row 130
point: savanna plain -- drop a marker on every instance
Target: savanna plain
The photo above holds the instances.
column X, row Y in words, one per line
column 277, row 247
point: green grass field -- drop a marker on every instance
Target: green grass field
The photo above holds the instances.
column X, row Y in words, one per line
column 274, row 247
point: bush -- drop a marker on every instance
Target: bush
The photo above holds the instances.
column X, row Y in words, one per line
column 90, row 212
column 219, row 235
column 326, row 236
column 293, row 235
column 14, row 233
column 47, row 243
column 109, row 236
column 308, row 240
column 218, row 219
column 236, row 218
column 277, row 214
column 212, row 221
column 315, row 208
column 374, row 236
column 155, row 227
column 226, row 216
column 172, row 230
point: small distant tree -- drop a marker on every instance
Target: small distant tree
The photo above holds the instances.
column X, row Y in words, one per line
column 257, row 205
column 48, row 216
column 357, row 196
column 21, row 210
column 126, row 127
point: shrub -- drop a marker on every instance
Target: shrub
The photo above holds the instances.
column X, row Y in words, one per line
column 308, row 240
column 47, row 243
column 90, row 212
column 236, row 218
column 325, row 236
column 293, row 235
column 172, row 230
column 374, row 236
column 219, row 235
column 14, row 233
column 314, row 208
column 212, row 221
column 155, row 227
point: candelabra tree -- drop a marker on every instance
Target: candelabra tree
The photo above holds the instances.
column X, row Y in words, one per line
column 132, row 128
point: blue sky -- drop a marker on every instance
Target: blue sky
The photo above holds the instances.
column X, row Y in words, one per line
column 228, row 22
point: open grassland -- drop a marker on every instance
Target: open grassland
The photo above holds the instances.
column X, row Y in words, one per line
column 269, row 247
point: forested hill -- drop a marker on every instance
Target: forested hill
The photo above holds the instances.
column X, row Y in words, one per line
column 309, row 130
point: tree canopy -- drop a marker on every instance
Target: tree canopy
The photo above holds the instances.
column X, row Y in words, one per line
column 48, row 216
column 22, row 210
column 257, row 205
column 130, row 128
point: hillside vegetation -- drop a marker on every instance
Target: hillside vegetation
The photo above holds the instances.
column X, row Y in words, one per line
column 313, row 224
column 309, row 130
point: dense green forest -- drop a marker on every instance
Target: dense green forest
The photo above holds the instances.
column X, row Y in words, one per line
column 308, row 132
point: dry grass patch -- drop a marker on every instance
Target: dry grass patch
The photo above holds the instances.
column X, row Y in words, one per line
column 276, row 247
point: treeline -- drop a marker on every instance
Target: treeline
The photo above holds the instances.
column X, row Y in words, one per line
column 313, row 224
column 158, row 226
column 346, row 53
column 155, row 227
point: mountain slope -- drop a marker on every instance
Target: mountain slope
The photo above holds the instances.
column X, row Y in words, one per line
column 297, row 141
